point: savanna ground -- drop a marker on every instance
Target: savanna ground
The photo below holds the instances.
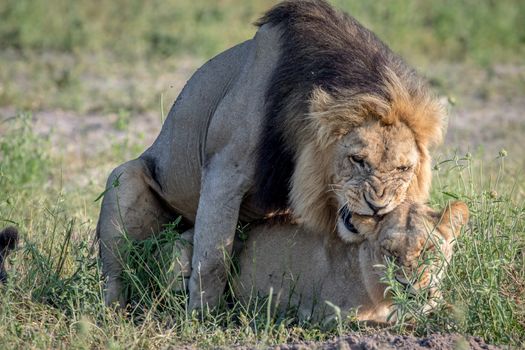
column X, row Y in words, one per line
column 85, row 85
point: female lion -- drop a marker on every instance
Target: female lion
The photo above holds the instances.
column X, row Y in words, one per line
column 304, row 269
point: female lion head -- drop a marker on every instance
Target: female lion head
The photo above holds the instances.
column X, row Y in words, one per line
column 418, row 239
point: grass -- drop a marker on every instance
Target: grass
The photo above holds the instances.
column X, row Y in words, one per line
column 483, row 286
column 54, row 297
column 119, row 55
column 480, row 31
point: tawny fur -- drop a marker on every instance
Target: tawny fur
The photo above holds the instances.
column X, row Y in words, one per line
column 335, row 76
column 331, row 119
column 307, row 273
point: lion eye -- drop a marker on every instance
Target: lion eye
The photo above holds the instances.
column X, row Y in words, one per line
column 357, row 159
column 403, row 168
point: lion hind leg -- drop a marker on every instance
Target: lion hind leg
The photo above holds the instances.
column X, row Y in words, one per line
column 131, row 210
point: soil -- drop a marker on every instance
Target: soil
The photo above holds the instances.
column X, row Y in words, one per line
column 385, row 341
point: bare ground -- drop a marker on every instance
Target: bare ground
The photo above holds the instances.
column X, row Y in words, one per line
column 386, row 341
column 486, row 113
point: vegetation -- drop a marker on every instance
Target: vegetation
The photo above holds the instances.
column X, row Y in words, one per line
column 117, row 59
column 54, row 295
column 455, row 30
column 108, row 56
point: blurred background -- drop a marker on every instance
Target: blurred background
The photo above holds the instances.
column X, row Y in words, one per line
column 469, row 30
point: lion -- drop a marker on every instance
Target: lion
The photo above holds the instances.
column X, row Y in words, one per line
column 314, row 117
column 317, row 271
column 306, row 272
column 8, row 242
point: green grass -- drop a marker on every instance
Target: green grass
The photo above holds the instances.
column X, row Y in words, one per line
column 54, row 297
column 17, row 170
column 114, row 56
column 454, row 30
column 484, row 283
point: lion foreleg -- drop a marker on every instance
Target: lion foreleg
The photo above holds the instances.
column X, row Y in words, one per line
column 222, row 191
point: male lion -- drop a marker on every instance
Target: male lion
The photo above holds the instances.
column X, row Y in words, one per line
column 313, row 115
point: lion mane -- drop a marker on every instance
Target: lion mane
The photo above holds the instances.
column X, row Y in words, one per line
column 332, row 76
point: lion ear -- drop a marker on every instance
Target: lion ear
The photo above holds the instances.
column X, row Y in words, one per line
column 453, row 217
column 329, row 119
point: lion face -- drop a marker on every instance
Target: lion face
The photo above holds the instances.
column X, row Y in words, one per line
column 374, row 167
column 418, row 239
column 365, row 153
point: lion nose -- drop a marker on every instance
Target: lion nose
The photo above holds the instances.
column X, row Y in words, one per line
column 375, row 208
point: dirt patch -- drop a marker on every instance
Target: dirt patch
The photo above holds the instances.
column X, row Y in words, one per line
column 488, row 128
column 89, row 146
column 87, row 135
column 388, row 341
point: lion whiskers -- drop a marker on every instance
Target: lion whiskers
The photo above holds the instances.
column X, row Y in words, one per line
column 334, row 188
column 342, row 207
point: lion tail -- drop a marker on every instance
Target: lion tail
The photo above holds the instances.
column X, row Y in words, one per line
column 8, row 242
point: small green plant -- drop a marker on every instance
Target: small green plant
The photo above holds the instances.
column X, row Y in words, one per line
column 123, row 119
column 148, row 271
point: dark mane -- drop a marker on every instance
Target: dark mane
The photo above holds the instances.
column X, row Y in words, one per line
column 321, row 47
